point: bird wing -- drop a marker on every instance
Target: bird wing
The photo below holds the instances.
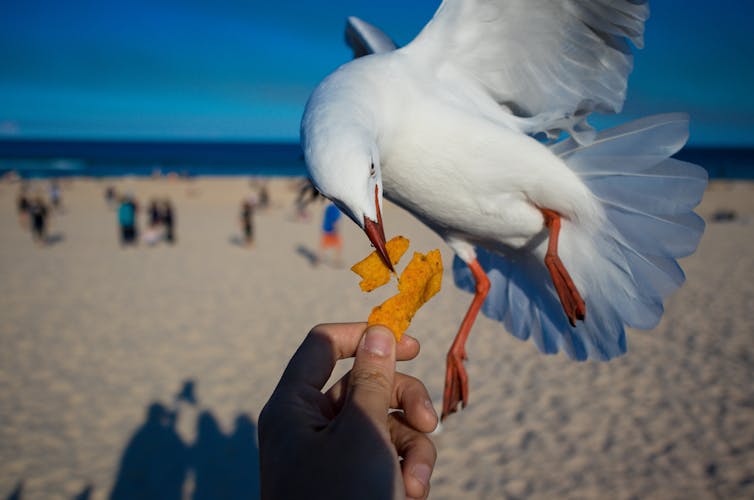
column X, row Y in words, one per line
column 365, row 38
column 555, row 60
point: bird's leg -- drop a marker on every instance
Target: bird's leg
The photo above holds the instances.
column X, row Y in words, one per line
column 456, row 380
column 570, row 299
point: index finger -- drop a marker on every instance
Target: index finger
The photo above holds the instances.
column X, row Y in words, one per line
column 325, row 344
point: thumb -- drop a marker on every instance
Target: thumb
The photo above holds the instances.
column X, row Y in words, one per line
column 370, row 383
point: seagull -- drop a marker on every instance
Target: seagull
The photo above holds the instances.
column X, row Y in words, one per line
column 478, row 127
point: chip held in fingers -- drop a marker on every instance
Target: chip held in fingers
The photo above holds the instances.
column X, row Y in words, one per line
column 419, row 281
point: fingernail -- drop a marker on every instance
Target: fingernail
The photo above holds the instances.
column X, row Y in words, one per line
column 378, row 341
column 422, row 473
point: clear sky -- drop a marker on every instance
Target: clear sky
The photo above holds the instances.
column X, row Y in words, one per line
column 243, row 69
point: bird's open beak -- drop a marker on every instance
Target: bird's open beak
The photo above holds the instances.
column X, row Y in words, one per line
column 376, row 234
column 377, row 237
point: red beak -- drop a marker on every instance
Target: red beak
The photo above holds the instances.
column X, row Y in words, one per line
column 377, row 236
column 376, row 233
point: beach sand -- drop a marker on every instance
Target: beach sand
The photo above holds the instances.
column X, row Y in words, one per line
column 92, row 335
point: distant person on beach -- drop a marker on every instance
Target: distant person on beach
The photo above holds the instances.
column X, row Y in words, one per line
column 127, row 221
column 167, row 217
column 153, row 233
column 54, row 192
column 306, row 194
column 38, row 213
column 110, row 196
column 153, row 212
column 247, row 219
column 22, row 205
column 264, row 196
column 331, row 235
column 346, row 442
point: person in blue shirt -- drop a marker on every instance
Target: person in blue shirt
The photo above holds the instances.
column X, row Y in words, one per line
column 127, row 221
column 331, row 235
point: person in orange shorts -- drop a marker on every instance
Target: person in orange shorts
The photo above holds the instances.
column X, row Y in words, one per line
column 331, row 235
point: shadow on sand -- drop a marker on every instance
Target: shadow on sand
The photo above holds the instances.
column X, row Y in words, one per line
column 18, row 492
column 54, row 239
column 157, row 464
column 236, row 240
column 307, row 253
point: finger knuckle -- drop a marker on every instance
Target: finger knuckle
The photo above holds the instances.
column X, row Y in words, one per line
column 373, row 379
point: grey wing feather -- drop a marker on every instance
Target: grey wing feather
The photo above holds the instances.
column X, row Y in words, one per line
column 365, row 38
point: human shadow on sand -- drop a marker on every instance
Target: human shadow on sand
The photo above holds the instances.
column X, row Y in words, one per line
column 54, row 239
column 17, row 493
column 157, row 463
column 236, row 240
column 309, row 254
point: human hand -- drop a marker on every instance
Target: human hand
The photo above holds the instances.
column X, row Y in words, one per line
column 343, row 443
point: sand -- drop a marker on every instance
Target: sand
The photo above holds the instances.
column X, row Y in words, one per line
column 91, row 335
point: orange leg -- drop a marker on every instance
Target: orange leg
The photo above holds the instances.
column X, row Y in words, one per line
column 456, row 380
column 570, row 299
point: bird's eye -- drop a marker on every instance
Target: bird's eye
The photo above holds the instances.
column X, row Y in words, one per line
column 371, row 170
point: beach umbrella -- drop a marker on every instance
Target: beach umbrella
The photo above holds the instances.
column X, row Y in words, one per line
column 478, row 127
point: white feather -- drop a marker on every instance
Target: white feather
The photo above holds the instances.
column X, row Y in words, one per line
column 628, row 265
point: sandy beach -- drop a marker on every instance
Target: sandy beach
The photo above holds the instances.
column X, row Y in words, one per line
column 97, row 342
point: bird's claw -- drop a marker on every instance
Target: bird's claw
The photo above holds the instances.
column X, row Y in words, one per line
column 570, row 298
column 456, row 384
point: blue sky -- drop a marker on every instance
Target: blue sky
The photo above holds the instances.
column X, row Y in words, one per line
column 242, row 70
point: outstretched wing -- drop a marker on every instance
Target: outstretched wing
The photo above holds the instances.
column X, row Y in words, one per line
column 364, row 38
column 556, row 59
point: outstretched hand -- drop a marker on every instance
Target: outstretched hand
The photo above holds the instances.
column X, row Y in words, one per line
column 345, row 442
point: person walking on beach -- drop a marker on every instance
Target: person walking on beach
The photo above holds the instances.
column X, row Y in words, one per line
column 264, row 196
column 38, row 214
column 168, row 220
column 331, row 235
column 55, row 200
column 127, row 221
column 153, row 233
column 154, row 213
column 110, row 197
column 247, row 220
column 23, row 205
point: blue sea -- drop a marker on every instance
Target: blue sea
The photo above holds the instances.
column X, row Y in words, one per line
column 82, row 158
column 96, row 158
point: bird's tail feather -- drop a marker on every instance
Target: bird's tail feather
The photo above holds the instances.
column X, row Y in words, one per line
column 626, row 267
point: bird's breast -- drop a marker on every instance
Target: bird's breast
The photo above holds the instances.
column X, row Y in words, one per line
column 469, row 177
column 456, row 204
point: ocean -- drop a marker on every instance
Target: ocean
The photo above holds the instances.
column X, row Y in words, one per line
column 96, row 158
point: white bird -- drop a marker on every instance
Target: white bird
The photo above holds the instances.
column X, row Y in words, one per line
column 566, row 242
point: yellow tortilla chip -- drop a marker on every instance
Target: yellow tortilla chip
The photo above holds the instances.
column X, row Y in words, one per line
column 395, row 313
column 420, row 281
column 422, row 276
column 374, row 273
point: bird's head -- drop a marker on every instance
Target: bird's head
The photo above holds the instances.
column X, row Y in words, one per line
column 347, row 170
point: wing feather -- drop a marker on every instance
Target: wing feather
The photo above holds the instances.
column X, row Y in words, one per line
column 557, row 60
